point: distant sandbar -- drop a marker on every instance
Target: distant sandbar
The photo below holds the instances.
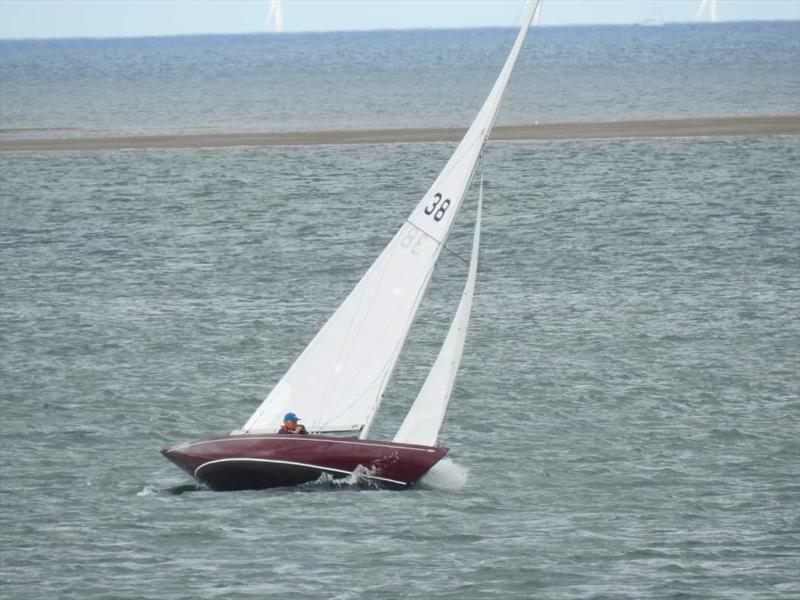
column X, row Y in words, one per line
column 696, row 127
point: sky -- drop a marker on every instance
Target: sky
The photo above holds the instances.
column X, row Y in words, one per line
column 125, row 18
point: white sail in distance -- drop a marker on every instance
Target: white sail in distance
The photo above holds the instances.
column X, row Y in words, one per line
column 424, row 420
column 537, row 15
column 275, row 17
column 337, row 382
column 709, row 6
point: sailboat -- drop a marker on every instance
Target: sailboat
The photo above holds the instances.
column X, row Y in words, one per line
column 709, row 7
column 275, row 17
column 338, row 381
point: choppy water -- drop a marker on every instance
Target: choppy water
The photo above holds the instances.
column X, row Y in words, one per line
column 308, row 82
column 627, row 410
column 625, row 423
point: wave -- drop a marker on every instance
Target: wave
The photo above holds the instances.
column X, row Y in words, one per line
column 445, row 475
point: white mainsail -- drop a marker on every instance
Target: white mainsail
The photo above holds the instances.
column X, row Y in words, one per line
column 423, row 421
column 337, row 382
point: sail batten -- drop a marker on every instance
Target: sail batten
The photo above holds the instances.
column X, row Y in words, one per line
column 338, row 381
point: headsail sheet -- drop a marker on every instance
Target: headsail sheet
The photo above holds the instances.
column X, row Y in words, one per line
column 337, row 382
column 423, row 421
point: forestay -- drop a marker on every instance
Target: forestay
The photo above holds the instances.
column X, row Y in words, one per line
column 423, row 421
column 337, row 382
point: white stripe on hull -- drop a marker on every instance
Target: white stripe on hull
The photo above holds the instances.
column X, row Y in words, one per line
column 295, row 464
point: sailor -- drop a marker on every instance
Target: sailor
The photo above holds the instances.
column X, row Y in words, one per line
column 290, row 424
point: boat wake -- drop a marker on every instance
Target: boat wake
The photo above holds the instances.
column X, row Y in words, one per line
column 358, row 479
column 177, row 490
column 445, row 475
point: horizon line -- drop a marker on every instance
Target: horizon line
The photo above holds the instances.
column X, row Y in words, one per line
column 642, row 24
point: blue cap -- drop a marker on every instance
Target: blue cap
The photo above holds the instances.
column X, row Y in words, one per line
column 290, row 416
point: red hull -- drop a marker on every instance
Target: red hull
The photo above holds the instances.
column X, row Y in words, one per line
column 252, row 462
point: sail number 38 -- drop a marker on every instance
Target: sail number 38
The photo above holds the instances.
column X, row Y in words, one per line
column 438, row 208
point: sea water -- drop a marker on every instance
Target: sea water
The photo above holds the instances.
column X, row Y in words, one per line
column 625, row 421
column 410, row 79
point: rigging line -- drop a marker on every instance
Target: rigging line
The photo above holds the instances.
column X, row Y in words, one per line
column 458, row 256
column 453, row 252
column 445, row 248
column 423, row 232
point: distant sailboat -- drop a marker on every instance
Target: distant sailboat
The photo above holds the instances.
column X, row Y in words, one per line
column 656, row 21
column 275, row 17
column 707, row 6
column 652, row 23
column 537, row 16
column 338, row 382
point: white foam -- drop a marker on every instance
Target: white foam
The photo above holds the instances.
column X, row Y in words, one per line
column 358, row 478
column 445, row 475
